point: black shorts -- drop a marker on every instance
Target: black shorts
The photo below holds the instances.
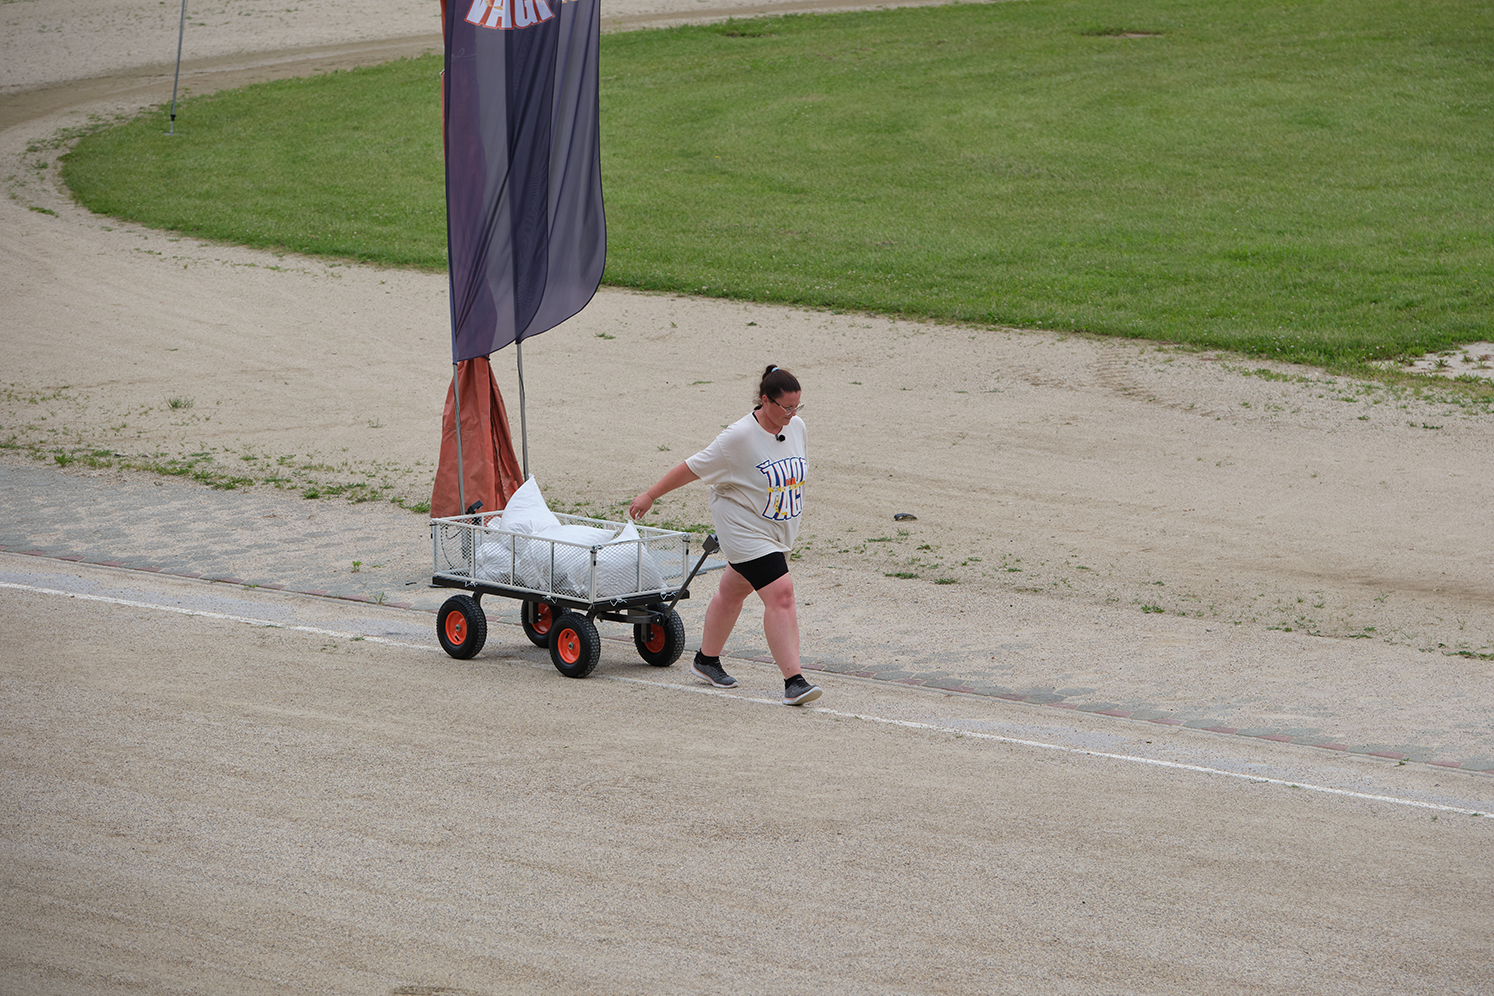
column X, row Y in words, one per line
column 763, row 571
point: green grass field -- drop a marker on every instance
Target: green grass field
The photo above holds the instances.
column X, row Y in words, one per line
column 1306, row 182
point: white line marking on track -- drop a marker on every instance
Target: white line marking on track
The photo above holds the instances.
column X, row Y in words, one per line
column 758, row 700
column 1062, row 748
column 1160, row 763
column 249, row 620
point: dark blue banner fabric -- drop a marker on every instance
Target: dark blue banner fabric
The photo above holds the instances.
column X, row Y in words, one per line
column 525, row 231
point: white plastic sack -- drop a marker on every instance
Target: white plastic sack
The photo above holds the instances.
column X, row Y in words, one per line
column 494, row 558
column 559, row 566
column 625, row 565
column 526, row 553
column 526, row 511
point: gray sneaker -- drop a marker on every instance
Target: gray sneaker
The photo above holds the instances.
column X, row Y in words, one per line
column 797, row 691
column 709, row 669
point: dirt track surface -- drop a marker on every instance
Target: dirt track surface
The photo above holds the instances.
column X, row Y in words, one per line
column 213, row 804
column 282, row 793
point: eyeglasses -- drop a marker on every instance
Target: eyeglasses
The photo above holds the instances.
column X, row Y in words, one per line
column 789, row 410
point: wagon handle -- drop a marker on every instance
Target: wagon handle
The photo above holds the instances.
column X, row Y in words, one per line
column 710, row 546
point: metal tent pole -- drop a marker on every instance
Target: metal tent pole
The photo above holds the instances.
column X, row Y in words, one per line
column 523, row 423
column 180, row 30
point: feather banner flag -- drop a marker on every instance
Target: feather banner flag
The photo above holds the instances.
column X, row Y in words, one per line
column 526, row 236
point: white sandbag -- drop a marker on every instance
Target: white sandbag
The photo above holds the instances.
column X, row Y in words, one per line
column 495, row 558
column 532, row 548
column 626, row 565
column 526, row 511
column 559, row 566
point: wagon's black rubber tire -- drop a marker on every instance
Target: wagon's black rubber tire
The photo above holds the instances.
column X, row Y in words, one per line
column 538, row 619
column 661, row 642
column 462, row 627
column 575, row 646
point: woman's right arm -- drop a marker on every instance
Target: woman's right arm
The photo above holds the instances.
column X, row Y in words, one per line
column 676, row 478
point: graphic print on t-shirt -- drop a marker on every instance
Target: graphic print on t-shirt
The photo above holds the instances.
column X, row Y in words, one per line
column 785, row 477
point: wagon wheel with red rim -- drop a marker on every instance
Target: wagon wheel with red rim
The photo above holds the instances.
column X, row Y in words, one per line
column 538, row 619
column 661, row 640
column 575, row 646
column 462, row 627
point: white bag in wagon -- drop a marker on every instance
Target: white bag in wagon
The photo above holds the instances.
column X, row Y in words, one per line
column 534, row 549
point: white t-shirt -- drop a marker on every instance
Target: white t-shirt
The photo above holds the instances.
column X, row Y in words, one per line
column 756, row 487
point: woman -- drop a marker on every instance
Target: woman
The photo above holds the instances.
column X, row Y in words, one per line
column 756, row 472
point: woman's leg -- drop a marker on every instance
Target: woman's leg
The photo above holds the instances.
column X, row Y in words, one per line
column 722, row 613
column 781, row 624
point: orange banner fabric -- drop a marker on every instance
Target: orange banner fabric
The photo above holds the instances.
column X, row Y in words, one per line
column 492, row 472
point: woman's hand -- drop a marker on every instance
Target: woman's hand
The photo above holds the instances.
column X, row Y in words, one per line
column 676, row 478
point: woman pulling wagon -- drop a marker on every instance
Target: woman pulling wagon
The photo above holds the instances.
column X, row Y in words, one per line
column 756, row 472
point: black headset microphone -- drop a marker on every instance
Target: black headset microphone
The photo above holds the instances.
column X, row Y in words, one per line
column 781, row 437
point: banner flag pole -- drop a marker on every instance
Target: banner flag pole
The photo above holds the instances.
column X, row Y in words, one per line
column 456, row 393
column 523, row 422
column 181, row 29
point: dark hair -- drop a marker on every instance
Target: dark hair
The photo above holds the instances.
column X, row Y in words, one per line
column 775, row 384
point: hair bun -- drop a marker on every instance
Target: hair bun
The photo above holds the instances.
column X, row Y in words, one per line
column 775, row 383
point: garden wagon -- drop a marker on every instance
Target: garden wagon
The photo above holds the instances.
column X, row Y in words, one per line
column 566, row 584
